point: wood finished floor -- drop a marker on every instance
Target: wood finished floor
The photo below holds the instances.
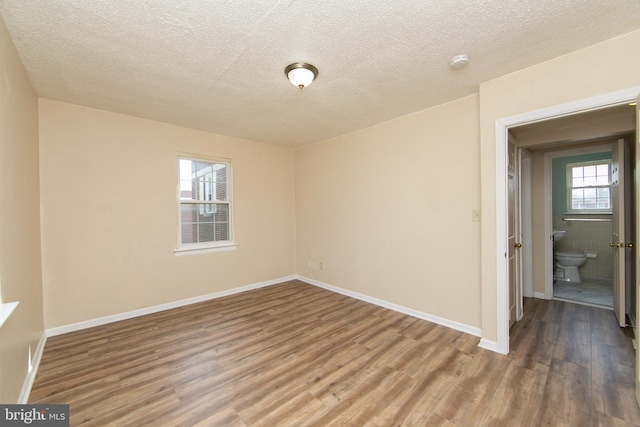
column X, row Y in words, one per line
column 297, row 355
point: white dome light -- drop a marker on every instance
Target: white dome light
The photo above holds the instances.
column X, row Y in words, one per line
column 301, row 74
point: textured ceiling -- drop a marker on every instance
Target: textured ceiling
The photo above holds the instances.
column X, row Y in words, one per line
column 219, row 65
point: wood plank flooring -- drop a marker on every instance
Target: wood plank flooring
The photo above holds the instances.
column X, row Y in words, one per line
column 297, row 355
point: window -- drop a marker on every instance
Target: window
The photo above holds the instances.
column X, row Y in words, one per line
column 589, row 186
column 204, row 203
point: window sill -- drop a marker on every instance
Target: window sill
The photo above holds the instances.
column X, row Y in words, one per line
column 5, row 311
column 230, row 246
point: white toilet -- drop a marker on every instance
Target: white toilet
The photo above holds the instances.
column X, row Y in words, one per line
column 567, row 266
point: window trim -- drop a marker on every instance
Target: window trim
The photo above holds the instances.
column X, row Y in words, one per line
column 205, row 247
column 569, row 177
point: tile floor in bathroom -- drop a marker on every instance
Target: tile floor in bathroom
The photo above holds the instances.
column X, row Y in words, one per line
column 590, row 291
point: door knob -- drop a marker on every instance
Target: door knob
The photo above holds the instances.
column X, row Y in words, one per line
column 613, row 245
column 628, row 245
column 517, row 245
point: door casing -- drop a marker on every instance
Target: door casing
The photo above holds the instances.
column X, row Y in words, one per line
column 501, row 138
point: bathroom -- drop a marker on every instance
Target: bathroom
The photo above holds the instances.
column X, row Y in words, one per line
column 581, row 208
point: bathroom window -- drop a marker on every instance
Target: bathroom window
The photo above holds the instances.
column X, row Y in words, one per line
column 589, row 186
column 204, row 203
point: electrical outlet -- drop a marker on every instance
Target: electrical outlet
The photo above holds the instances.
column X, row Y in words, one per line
column 309, row 264
column 321, row 265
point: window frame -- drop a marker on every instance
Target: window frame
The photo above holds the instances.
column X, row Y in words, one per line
column 570, row 187
column 205, row 247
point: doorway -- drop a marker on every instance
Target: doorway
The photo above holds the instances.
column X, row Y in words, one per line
column 579, row 232
column 574, row 229
column 572, row 109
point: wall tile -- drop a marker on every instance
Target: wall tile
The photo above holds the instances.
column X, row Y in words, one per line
column 588, row 236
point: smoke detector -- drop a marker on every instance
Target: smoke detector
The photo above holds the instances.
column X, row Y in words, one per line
column 459, row 61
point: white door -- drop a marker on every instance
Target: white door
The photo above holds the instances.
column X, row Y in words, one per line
column 526, row 229
column 513, row 242
column 629, row 229
column 618, row 242
column 637, row 237
column 519, row 235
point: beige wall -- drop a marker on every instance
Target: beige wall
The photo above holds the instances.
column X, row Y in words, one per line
column 388, row 210
column 109, row 215
column 599, row 69
column 20, row 265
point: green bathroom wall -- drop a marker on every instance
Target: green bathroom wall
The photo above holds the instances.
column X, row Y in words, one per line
column 559, row 177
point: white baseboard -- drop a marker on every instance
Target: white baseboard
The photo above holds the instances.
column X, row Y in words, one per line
column 489, row 345
column 471, row 330
column 33, row 370
column 539, row 295
column 148, row 310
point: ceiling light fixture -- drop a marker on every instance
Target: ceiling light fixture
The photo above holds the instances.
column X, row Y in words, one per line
column 459, row 61
column 301, row 74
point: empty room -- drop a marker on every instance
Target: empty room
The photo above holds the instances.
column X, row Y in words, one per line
column 296, row 213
